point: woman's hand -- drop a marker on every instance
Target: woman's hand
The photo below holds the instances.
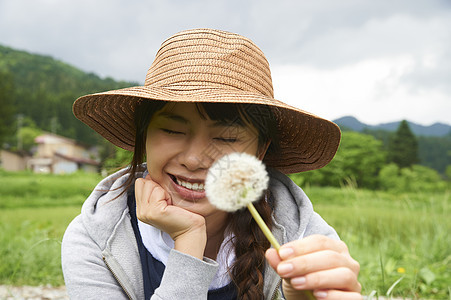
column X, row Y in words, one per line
column 154, row 207
column 316, row 263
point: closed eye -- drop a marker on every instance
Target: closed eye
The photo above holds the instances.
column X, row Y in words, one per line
column 226, row 140
column 168, row 131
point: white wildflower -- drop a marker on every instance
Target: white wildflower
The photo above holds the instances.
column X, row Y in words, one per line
column 235, row 180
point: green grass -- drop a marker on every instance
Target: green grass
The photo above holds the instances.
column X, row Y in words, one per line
column 25, row 189
column 402, row 236
column 30, row 240
column 394, row 237
column 34, row 213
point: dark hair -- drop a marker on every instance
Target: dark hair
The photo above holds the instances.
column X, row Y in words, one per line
column 249, row 243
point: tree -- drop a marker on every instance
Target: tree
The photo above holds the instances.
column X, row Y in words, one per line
column 412, row 179
column 357, row 162
column 403, row 147
column 27, row 136
column 433, row 152
column 7, row 109
column 119, row 159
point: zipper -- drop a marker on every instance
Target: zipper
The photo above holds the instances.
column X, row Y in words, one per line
column 276, row 289
column 117, row 279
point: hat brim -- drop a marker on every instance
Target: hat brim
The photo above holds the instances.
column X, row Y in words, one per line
column 307, row 142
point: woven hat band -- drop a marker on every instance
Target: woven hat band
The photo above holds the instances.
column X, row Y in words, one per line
column 210, row 60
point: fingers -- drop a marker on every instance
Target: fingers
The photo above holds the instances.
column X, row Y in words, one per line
column 311, row 244
column 154, row 207
column 314, row 262
column 143, row 189
column 139, row 183
column 336, row 295
column 308, row 252
column 317, row 263
column 273, row 258
column 337, row 278
column 151, row 199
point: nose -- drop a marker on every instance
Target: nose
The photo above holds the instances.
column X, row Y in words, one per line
column 199, row 154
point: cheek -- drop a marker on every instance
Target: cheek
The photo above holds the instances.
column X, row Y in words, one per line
column 250, row 146
column 250, row 141
column 154, row 155
column 159, row 151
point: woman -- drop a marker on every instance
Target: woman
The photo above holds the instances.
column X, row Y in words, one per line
column 150, row 232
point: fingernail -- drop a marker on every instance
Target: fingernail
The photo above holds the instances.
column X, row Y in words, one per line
column 285, row 252
column 284, row 268
column 298, row 281
column 320, row 294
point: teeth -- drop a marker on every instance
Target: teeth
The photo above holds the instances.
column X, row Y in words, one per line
column 192, row 186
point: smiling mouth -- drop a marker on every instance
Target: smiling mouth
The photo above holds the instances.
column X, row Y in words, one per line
column 193, row 186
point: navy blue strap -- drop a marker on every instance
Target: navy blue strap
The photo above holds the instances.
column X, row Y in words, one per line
column 153, row 269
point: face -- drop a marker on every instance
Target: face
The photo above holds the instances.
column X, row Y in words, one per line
column 182, row 144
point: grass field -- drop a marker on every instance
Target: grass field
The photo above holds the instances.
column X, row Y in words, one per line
column 34, row 213
column 402, row 240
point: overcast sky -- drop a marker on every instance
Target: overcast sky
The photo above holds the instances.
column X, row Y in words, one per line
column 378, row 60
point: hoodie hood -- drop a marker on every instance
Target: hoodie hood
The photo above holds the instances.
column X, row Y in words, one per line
column 106, row 206
column 292, row 208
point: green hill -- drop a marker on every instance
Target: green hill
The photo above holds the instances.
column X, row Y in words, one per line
column 42, row 90
column 434, row 142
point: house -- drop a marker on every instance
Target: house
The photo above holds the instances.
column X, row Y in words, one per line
column 14, row 161
column 60, row 155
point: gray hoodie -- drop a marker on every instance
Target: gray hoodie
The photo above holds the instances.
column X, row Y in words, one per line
column 100, row 258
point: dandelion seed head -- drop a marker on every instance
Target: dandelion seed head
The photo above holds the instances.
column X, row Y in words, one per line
column 235, row 180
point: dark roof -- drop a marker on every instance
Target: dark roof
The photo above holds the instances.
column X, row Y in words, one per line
column 78, row 160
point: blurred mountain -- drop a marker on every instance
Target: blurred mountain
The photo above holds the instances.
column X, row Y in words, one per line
column 352, row 123
column 40, row 91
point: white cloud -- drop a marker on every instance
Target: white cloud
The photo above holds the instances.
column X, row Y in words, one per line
column 349, row 56
column 370, row 90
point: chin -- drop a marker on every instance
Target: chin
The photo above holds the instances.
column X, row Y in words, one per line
column 201, row 207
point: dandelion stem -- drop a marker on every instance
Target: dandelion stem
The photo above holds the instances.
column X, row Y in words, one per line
column 270, row 237
column 263, row 226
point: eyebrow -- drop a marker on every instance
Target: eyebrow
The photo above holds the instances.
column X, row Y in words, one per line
column 227, row 124
column 174, row 117
column 183, row 120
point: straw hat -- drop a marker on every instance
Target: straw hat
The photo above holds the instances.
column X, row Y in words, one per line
column 205, row 65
